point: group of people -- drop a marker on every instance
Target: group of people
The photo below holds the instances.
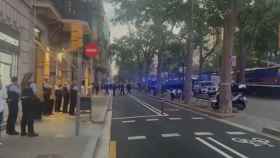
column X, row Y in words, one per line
column 113, row 88
column 26, row 93
column 65, row 98
column 61, row 99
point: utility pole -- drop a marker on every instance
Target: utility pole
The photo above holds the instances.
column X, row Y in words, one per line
column 79, row 80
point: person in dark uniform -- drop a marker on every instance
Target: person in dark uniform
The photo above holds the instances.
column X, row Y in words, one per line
column 66, row 97
column 128, row 88
column 97, row 88
column 122, row 89
column 28, row 108
column 58, row 98
column 73, row 98
column 13, row 99
column 114, row 89
column 47, row 98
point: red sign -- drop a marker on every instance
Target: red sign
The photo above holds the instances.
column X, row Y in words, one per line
column 92, row 50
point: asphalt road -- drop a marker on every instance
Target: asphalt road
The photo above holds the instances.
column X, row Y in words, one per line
column 141, row 130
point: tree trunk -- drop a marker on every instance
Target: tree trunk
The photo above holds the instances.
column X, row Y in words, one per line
column 188, row 71
column 226, row 67
column 159, row 70
column 242, row 59
column 201, row 60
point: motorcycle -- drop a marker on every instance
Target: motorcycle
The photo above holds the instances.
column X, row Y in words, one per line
column 239, row 100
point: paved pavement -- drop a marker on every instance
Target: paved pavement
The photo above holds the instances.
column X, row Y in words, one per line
column 140, row 129
column 57, row 137
column 260, row 113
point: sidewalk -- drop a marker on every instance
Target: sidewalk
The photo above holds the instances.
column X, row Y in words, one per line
column 57, row 136
column 261, row 115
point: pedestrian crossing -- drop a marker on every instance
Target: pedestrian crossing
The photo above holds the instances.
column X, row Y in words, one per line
column 195, row 134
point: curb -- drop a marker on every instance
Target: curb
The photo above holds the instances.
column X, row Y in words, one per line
column 271, row 131
column 102, row 120
column 196, row 109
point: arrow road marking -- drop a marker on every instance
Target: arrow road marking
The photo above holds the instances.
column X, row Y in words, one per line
column 235, row 133
column 128, row 121
column 137, row 138
column 213, row 148
column 168, row 135
column 227, row 147
column 203, row 133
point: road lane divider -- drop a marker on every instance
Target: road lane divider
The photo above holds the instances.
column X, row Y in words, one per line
column 113, row 149
column 149, row 107
column 169, row 135
column 227, row 147
column 213, row 148
column 235, row 133
column 175, row 118
column 137, row 138
column 128, row 121
column 203, row 134
column 198, row 118
column 151, row 120
column 134, row 117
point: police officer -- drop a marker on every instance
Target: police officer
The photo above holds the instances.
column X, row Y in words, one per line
column 13, row 92
column 1, row 106
column 66, row 97
column 28, row 107
column 58, row 98
column 73, row 98
column 47, row 97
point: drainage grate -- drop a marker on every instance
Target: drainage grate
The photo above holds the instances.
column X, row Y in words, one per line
column 50, row 156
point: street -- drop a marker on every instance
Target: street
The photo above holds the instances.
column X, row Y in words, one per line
column 141, row 130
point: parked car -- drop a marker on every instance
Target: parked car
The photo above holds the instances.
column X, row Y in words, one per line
column 206, row 87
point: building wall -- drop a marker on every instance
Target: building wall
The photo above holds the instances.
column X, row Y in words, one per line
column 18, row 14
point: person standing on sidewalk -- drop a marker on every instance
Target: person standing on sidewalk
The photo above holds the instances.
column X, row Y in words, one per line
column 28, row 106
column 47, row 97
column 66, row 97
column 58, row 98
column 73, row 98
column 13, row 92
column 1, row 107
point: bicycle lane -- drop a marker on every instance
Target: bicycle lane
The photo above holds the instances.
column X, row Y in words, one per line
column 233, row 140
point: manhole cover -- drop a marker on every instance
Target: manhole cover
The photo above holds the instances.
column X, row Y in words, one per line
column 50, row 156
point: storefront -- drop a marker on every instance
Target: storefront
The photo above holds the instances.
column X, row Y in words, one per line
column 9, row 50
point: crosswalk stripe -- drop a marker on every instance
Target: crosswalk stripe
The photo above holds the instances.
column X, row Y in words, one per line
column 235, row 133
column 151, row 120
column 198, row 118
column 128, row 121
column 168, row 135
column 203, row 133
column 136, row 137
column 175, row 118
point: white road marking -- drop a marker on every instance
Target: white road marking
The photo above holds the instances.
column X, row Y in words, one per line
column 213, row 148
column 151, row 108
column 134, row 117
column 137, row 138
column 203, row 133
column 168, row 135
column 198, row 118
column 227, row 147
column 235, row 133
column 174, row 118
column 151, row 120
column 128, row 121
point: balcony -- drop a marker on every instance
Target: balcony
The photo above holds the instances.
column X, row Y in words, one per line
column 46, row 10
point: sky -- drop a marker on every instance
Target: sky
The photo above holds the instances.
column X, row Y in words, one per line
column 117, row 30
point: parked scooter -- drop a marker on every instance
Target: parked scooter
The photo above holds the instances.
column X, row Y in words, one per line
column 239, row 100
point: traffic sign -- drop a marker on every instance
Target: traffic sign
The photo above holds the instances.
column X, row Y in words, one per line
column 91, row 50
